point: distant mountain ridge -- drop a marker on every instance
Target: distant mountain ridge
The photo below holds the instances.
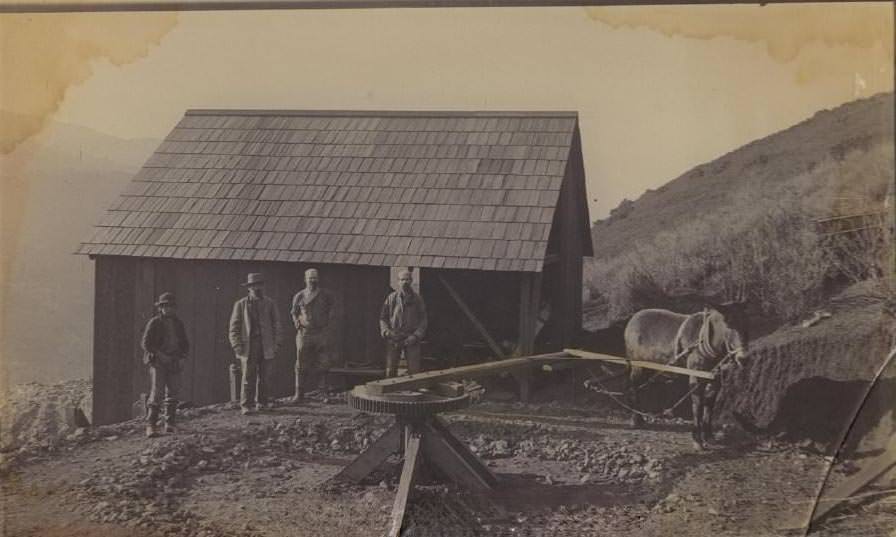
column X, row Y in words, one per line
column 72, row 174
column 761, row 169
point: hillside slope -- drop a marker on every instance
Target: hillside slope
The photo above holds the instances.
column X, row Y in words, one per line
column 758, row 172
column 743, row 227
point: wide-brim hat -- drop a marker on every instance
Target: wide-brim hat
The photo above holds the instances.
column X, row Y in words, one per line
column 166, row 298
column 254, row 278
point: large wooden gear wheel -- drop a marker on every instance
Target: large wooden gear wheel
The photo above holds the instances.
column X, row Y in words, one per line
column 418, row 433
column 416, row 404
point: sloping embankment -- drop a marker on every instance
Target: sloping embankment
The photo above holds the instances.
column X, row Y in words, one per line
column 809, row 382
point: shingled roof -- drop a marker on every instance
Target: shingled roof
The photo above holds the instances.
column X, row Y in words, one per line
column 469, row 190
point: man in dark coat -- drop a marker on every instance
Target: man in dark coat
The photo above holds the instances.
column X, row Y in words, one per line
column 255, row 335
column 165, row 346
column 403, row 325
column 312, row 312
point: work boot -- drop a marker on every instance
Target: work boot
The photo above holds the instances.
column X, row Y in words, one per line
column 170, row 416
column 152, row 416
column 298, row 398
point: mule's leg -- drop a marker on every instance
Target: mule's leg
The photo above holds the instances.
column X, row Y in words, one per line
column 711, row 393
column 631, row 392
column 697, row 408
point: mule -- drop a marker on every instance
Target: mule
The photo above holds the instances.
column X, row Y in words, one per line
column 698, row 341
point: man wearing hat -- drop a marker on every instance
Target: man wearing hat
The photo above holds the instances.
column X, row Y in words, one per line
column 403, row 325
column 255, row 335
column 312, row 311
column 165, row 345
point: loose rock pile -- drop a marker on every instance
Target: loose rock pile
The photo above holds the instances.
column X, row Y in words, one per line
column 39, row 417
column 598, row 462
column 148, row 491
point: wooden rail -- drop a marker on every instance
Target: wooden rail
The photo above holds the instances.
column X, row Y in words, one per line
column 585, row 355
column 430, row 378
column 566, row 358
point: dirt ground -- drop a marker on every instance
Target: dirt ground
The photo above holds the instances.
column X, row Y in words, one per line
column 562, row 470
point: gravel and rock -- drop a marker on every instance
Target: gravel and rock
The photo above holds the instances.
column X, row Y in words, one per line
column 562, row 471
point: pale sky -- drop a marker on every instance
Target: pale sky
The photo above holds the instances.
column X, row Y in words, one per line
column 658, row 90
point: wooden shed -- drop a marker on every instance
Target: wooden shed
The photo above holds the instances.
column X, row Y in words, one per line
column 489, row 207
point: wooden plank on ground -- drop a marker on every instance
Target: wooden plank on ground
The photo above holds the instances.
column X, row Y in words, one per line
column 429, row 378
column 871, row 471
column 493, row 345
column 585, row 355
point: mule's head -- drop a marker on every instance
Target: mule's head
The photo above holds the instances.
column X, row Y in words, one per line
column 727, row 335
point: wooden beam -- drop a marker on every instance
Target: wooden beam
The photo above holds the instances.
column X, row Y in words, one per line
column 525, row 320
column 441, row 427
column 534, row 307
column 459, row 465
column 872, row 470
column 585, row 355
column 469, row 313
column 530, row 305
column 429, row 378
column 368, row 461
column 406, row 484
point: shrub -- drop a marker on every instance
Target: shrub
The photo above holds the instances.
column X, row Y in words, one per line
column 759, row 245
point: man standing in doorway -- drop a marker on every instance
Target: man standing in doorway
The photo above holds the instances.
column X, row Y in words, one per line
column 403, row 325
column 312, row 312
column 165, row 345
column 255, row 335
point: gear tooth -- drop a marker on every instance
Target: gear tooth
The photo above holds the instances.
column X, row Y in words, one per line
column 409, row 409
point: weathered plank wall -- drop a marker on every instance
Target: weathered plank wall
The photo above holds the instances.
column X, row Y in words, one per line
column 126, row 289
column 113, row 339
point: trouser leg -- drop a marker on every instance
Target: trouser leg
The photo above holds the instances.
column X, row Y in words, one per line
column 412, row 354
column 304, row 364
column 249, row 381
column 393, row 353
column 172, row 381
column 299, row 392
column 317, row 377
column 156, row 386
column 261, row 386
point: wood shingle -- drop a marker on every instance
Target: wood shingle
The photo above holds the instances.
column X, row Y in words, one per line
column 434, row 189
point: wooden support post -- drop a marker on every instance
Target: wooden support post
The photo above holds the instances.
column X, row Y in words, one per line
column 530, row 305
column 535, row 301
column 408, row 471
column 438, row 424
column 530, row 300
column 526, row 324
column 493, row 345
column 453, row 463
column 368, row 461
column 423, row 438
